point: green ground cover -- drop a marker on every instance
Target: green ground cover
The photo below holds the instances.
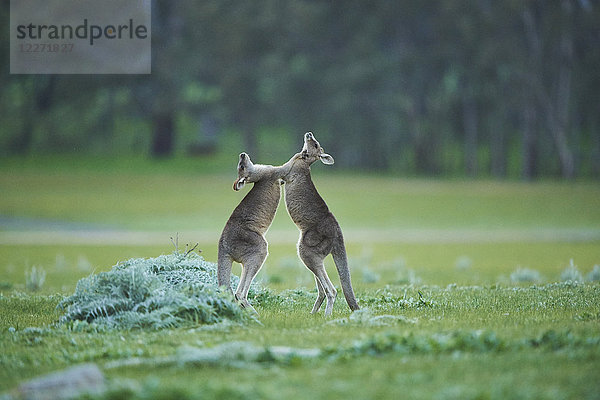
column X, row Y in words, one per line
column 178, row 197
column 450, row 312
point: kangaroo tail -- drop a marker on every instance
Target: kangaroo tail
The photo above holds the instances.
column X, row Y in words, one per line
column 224, row 263
column 341, row 263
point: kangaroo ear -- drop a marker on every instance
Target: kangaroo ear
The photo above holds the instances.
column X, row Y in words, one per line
column 239, row 183
column 326, row 159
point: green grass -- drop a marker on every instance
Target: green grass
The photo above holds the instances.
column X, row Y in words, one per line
column 473, row 334
column 555, row 325
column 178, row 196
column 432, row 264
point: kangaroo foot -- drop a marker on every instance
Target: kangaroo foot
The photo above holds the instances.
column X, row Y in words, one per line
column 244, row 303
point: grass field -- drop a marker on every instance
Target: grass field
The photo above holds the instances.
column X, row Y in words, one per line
column 462, row 282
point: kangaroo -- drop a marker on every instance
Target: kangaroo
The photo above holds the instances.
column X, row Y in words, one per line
column 320, row 233
column 243, row 239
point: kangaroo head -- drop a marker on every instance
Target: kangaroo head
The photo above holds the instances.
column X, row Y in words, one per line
column 246, row 172
column 312, row 151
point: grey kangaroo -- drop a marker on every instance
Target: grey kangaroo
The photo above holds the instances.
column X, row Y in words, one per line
column 243, row 239
column 320, row 233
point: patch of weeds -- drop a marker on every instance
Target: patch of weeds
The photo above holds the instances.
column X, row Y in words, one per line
column 587, row 316
column 525, row 275
column 387, row 298
column 365, row 317
column 83, row 264
column 35, row 278
column 463, row 263
column 568, row 284
column 477, row 341
column 425, row 302
column 20, row 310
column 571, row 273
column 409, row 343
column 556, row 340
column 407, row 277
column 155, row 388
column 60, row 262
column 404, row 275
column 236, row 354
column 289, row 298
column 242, row 354
column 223, row 326
column 167, row 291
column 363, row 265
column 369, row 276
column 594, row 275
column 264, row 297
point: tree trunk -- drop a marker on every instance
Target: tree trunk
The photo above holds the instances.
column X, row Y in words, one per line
column 555, row 108
column 21, row 144
column 39, row 95
column 595, row 152
column 164, row 136
column 529, row 148
column 498, row 154
column 563, row 97
column 470, row 127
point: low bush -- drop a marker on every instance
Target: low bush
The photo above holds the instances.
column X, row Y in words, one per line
column 167, row 291
column 525, row 275
column 35, row 278
column 571, row 274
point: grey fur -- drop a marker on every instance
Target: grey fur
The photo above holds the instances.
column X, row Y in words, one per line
column 243, row 239
column 320, row 233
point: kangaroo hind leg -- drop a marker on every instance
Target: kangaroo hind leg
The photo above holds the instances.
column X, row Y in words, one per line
column 250, row 267
column 314, row 263
column 320, row 297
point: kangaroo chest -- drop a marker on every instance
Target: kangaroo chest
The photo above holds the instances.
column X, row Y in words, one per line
column 304, row 204
column 257, row 209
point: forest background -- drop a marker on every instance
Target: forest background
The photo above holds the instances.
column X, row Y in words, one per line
column 477, row 88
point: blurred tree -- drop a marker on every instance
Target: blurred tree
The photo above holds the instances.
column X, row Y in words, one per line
column 434, row 87
column 235, row 40
column 169, row 58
